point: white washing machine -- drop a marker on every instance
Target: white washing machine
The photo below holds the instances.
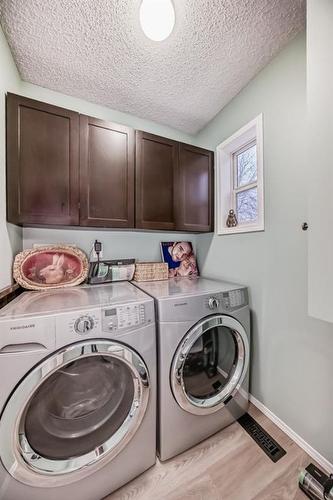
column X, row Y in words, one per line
column 78, row 392
column 203, row 359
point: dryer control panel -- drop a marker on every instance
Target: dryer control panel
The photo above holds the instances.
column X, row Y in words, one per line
column 227, row 301
column 234, row 299
column 123, row 317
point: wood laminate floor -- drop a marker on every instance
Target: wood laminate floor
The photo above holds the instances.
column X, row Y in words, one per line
column 227, row 466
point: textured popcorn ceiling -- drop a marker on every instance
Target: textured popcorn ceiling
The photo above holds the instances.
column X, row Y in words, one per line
column 95, row 50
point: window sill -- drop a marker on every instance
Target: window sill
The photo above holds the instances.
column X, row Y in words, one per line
column 240, row 229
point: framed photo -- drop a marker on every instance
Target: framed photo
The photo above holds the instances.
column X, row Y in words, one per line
column 50, row 267
column 180, row 258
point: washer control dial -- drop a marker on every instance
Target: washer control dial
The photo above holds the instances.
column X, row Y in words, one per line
column 84, row 324
column 213, row 303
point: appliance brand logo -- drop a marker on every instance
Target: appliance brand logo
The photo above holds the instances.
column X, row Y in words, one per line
column 23, row 327
column 181, row 304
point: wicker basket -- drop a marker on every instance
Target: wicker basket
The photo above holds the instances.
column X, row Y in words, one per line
column 151, row 271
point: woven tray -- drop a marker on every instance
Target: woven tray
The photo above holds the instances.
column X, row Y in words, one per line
column 151, row 271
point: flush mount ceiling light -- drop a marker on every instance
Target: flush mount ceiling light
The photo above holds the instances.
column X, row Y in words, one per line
column 157, row 19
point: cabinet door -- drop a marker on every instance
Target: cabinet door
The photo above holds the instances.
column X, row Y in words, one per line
column 156, row 172
column 106, row 174
column 195, row 189
column 42, row 163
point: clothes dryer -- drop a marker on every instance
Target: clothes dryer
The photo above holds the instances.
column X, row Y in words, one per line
column 203, row 329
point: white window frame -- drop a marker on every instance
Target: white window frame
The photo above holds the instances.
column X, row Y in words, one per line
column 252, row 132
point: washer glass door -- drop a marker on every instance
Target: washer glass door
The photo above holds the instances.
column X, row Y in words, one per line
column 210, row 364
column 79, row 405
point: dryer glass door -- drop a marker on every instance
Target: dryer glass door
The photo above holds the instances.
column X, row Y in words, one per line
column 210, row 364
column 80, row 405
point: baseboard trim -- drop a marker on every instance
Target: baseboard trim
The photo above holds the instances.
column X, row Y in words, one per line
column 322, row 461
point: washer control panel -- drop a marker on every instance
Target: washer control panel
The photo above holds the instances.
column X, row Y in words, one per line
column 120, row 318
column 84, row 324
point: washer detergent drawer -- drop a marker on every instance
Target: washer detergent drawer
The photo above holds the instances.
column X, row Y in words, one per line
column 26, row 335
column 23, row 343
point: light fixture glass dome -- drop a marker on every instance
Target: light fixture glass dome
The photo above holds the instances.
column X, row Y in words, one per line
column 157, row 18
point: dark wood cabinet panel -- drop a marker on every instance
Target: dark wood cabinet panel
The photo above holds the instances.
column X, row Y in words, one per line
column 195, row 189
column 69, row 169
column 156, row 176
column 42, row 163
column 106, row 174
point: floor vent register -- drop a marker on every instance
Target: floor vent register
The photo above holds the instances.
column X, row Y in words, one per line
column 262, row 438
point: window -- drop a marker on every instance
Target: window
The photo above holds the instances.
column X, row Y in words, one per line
column 240, row 180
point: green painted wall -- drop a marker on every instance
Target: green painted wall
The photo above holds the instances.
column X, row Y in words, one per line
column 292, row 369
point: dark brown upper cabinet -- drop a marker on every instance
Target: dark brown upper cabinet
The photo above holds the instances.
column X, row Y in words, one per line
column 174, row 185
column 195, row 189
column 106, row 174
column 42, row 163
column 68, row 169
column 156, row 177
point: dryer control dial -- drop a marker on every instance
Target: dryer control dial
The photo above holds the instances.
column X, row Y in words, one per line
column 213, row 303
column 84, row 324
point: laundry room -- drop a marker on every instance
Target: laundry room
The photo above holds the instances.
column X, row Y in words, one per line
column 166, row 251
